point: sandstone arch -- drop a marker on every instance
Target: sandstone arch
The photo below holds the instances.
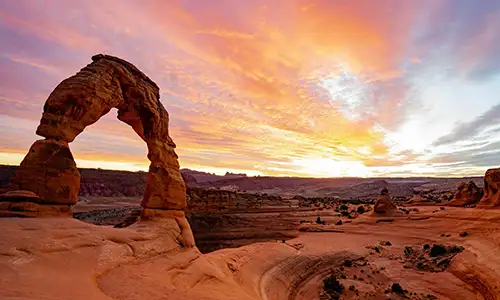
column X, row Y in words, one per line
column 49, row 170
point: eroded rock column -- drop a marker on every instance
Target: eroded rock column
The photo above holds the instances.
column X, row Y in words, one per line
column 165, row 187
column 49, row 171
column 46, row 183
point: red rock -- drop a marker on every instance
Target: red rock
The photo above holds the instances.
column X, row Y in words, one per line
column 49, row 171
column 418, row 199
column 30, row 210
column 466, row 194
column 383, row 204
column 19, row 195
column 491, row 197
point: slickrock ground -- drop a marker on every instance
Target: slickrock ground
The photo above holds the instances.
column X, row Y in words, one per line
column 63, row 258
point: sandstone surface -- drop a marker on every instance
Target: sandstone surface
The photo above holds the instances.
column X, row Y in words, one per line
column 418, row 200
column 467, row 194
column 491, row 196
column 44, row 258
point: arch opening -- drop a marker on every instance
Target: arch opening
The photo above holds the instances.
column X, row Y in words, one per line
column 49, row 170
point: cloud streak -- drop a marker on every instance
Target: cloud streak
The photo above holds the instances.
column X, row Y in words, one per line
column 264, row 87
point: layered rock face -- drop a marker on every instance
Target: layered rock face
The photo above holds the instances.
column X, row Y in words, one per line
column 49, row 171
column 467, row 194
column 491, row 197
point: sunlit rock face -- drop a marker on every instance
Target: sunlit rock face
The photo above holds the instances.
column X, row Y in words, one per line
column 384, row 203
column 49, row 170
column 491, row 197
column 467, row 194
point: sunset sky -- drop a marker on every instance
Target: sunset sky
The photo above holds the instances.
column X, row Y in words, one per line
column 307, row 88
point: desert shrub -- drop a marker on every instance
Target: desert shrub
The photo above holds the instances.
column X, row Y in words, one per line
column 408, row 250
column 361, row 209
column 455, row 249
column 347, row 263
column 339, row 222
column 426, row 246
column 396, row 288
column 331, row 285
column 438, row 250
column 344, row 207
column 318, row 220
column 345, row 213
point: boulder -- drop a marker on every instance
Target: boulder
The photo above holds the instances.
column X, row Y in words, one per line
column 491, row 197
column 467, row 193
column 383, row 203
column 418, row 199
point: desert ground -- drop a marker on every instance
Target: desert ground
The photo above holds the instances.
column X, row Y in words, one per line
column 254, row 245
column 63, row 258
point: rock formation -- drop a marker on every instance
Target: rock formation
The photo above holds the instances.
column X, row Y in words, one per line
column 491, row 197
column 418, row 199
column 467, row 193
column 383, row 203
column 384, row 206
column 49, row 170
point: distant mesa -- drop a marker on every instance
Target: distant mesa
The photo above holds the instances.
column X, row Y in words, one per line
column 381, row 183
column 229, row 174
column 188, row 179
column 467, row 193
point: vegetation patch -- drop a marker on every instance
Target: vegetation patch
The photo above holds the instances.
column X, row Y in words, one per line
column 430, row 259
column 332, row 288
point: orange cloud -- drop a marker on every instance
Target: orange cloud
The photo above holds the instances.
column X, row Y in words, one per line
column 243, row 81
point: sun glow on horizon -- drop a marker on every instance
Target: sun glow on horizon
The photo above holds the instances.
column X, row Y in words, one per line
column 326, row 167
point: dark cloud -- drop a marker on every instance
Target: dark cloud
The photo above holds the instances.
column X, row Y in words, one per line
column 469, row 131
column 486, row 155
